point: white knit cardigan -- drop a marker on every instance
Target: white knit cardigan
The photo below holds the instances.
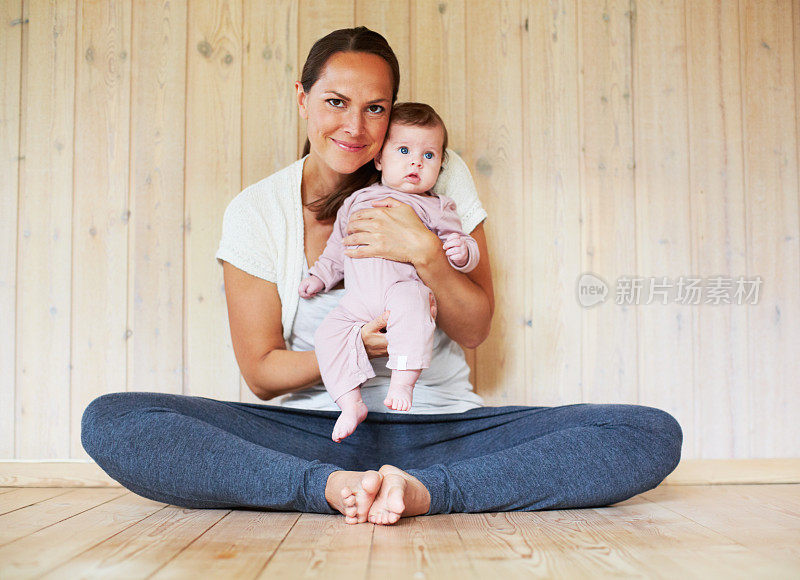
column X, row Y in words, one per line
column 262, row 229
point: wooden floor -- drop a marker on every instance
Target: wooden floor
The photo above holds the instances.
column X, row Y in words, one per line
column 673, row 531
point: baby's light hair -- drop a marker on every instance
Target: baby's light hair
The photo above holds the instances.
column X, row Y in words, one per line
column 419, row 115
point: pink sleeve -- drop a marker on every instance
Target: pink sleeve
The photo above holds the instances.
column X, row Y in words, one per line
column 329, row 267
column 448, row 223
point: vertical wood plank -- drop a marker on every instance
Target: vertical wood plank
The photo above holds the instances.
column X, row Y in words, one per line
column 771, row 184
column 608, row 209
column 158, row 129
column 45, row 231
column 315, row 19
column 552, row 203
column 438, row 77
column 100, row 219
column 269, row 109
column 213, row 176
column 495, row 133
column 393, row 20
column 796, row 40
column 663, row 233
column 721, row 416
column 268, row 98
column 10, row 68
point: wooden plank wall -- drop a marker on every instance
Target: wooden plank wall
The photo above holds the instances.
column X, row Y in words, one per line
column 620, row 137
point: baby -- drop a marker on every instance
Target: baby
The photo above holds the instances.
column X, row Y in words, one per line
column 410, row 162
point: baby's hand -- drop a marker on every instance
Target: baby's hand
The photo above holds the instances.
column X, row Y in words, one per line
column 310, row 286
column 456, row 249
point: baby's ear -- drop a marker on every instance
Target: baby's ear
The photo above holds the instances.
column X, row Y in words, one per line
column 377, row 161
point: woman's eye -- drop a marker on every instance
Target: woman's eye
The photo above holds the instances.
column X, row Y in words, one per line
column 429, row 155
column 338, row 103
column 403, row 150
column 376, row 109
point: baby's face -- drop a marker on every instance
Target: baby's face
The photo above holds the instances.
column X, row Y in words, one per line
column 411, row 157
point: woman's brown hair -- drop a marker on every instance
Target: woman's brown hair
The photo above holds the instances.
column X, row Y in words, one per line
column 359, row 39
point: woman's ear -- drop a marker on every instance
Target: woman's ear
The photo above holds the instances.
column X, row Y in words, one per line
column 302, row 100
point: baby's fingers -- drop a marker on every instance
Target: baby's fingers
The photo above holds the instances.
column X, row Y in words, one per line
column 452, row 242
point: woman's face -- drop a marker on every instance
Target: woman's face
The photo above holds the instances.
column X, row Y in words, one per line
column 347, row 110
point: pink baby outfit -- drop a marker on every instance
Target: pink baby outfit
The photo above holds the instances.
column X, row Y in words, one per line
column 374, row 285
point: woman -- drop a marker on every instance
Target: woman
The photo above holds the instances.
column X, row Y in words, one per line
column 451, row 454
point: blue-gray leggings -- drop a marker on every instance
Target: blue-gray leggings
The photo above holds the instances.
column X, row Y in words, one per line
column 202, row 453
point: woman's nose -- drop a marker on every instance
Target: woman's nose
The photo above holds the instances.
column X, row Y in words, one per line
column 354, row 124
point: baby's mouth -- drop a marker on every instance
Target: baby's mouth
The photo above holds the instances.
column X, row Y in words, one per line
column 412, row 177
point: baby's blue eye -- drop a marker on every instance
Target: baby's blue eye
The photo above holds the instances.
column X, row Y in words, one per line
column 404, row 150
column 429, row 155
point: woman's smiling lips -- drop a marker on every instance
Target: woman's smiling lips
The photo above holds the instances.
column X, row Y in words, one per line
column 349, row 146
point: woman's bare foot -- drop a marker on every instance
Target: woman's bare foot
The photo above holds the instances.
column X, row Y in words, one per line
column 352, row 493
column 401, row 494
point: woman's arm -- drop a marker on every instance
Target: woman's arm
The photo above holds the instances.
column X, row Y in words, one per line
column 392, row 230
column 254, row 314
column 465, row 301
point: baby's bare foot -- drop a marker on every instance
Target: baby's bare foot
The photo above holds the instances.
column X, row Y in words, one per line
column 399, row 397
column 348, row 421
column 352, row 493
column 353, row 413
column 401, row 494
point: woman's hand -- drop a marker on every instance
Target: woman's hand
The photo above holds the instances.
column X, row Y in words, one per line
column 374, row 337
column 390, row 230
column 373, row 333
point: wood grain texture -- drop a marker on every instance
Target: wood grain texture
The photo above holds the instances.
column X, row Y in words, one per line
column 44, row 258
column 101, row 213
column 12, row 499
column 69, row 473
column 663, row 211
column 239, row 546
column 667, row 532
column 340, row 552
column 552, row 203
column 608, row 204
column 213, row 176
column 495, row 156
column 10, row 91
column 142, row 548
column 773, row 231
column 156, row 240
column 27, row 511
column 721, row 412
column 103, row 516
